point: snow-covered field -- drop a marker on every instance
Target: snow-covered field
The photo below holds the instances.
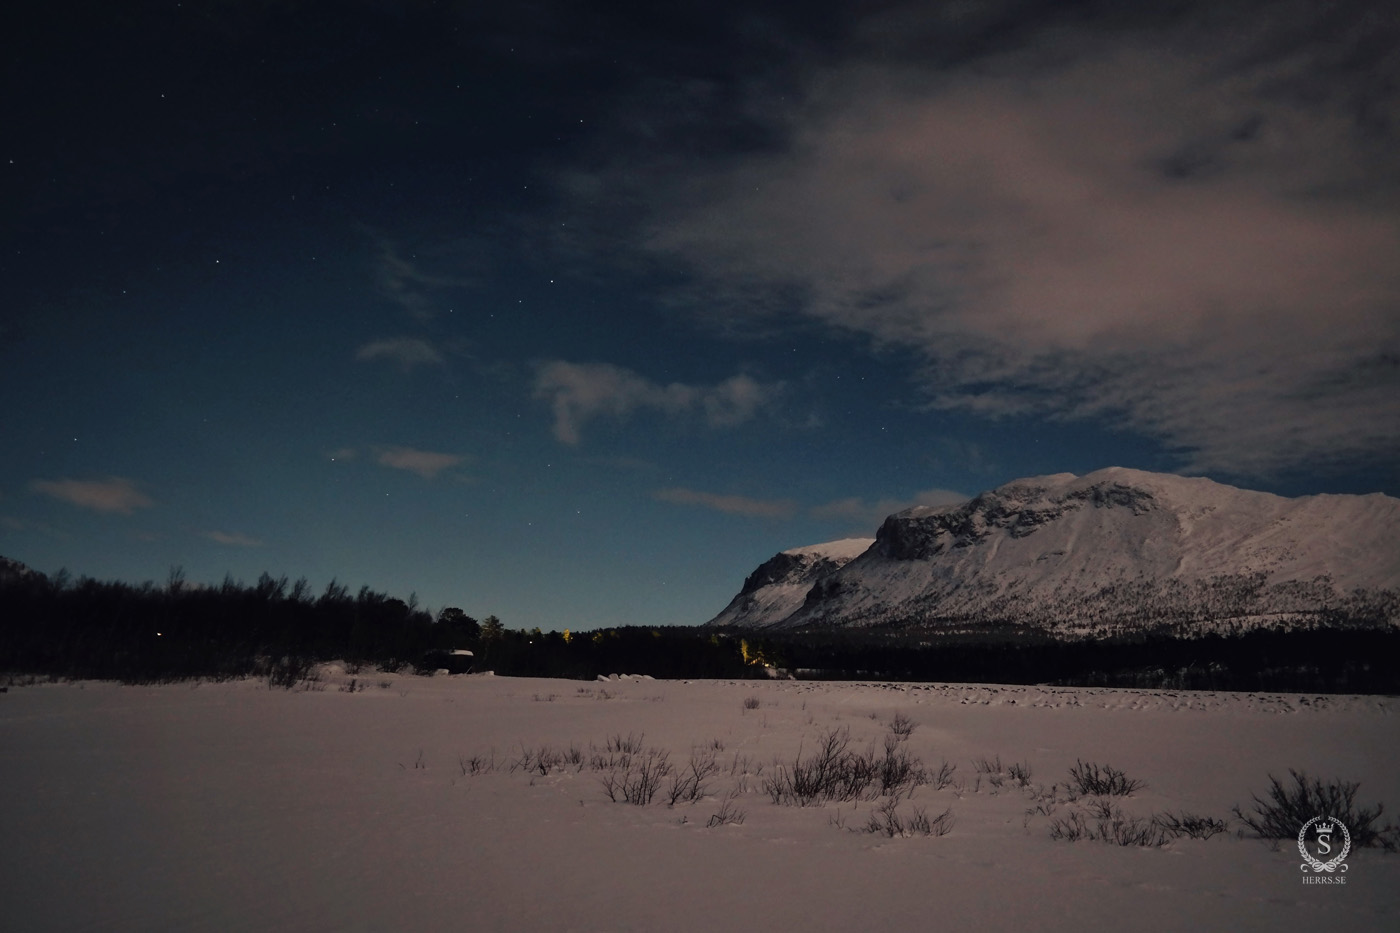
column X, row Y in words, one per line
column 236, row 807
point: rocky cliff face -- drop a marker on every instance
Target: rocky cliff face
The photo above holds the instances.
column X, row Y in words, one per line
column 1112, row 551
column 780, row 584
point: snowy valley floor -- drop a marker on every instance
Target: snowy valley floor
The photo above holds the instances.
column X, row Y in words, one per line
column 237, row 807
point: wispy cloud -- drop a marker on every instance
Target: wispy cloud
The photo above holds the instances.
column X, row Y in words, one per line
column 407, row 352
column 425, row 463
column 581, row 392
column 732, row 505
column 234, row 539
column 861, row 515
column 403, row 280
column 114, row 494
column 1173, row 230
column 11, row 523
column 866, row 515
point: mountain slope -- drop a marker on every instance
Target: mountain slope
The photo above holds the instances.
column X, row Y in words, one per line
column 1118, row 550
column 780, row 584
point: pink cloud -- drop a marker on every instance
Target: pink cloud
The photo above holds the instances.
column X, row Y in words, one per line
column 114, row 494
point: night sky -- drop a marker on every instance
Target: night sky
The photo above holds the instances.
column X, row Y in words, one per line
column 574, row 313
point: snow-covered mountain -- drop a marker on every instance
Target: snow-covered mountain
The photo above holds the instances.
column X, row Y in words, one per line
column 780, row 585
column 1114, row 550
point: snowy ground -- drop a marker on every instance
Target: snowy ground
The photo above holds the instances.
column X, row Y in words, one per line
column 232, row 806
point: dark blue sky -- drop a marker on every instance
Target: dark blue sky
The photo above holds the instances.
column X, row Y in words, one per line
column 574, row 313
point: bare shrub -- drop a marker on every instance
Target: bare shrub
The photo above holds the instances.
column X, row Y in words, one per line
column 742, row 764
column 899, row 771
column 885, row 820
column 835, row 773
column 1126, row 831
column 1070, row 828
column 689, row 784
column 943, row 777
column 727, row 814
column 902, row 726
column 1114, row 829
column 476, row 764
column 1102, row 808
column 1282, row 816
column 940, row 825
column 547, row 760
column 640, row 780
column 1190, row 825
column 1090, row 778
column 291, row 671
column 751, row 703
column 630, row 745
column 830, row 773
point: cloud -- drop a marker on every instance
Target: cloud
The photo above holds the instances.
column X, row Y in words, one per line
column 425, row 463
column 580, row 392
column 114, row 494
column 403, row 281
column 858, row 513
column 731, row 505
column 233, row 539
column 407, row 352
column 865, row 515
column 1188, row 232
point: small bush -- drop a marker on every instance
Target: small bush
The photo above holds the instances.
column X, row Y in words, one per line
column 902, row 726
column 830, row 773
column 1114, row 829
column 1289, row 807
column 640, row 780
column 689, row 785
column 834, row 773
column 987, row 765
column 1189, row 824
column 291, row 670
column 727, row 814
column 886, row 821
column 1089, row 778
column 630, row 745
column 898, row 770
column 751, row 703
column 476, row 764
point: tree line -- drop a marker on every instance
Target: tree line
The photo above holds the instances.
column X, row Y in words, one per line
column 279, row 629
column 144, row 633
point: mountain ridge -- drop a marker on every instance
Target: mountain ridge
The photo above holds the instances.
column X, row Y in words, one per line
column 1111, row 552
